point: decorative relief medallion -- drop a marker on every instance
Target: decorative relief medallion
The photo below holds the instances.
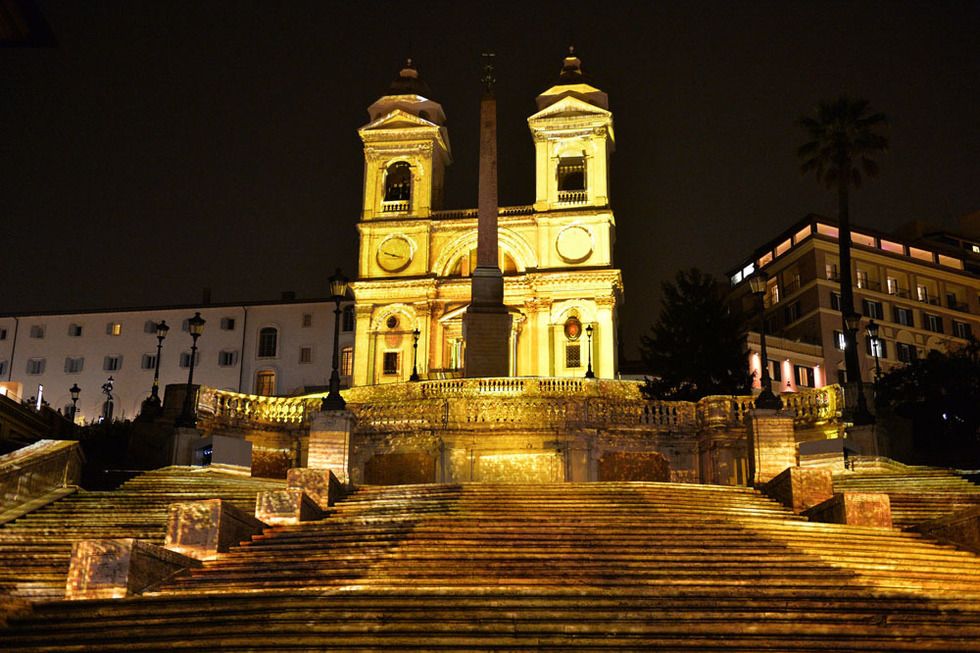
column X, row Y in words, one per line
column 574, row 244
column 395, row 253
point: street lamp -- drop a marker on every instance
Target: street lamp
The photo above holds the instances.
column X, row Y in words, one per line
column 415, row 355
column 74, row 390
column 589, row 374
column 188, row 417
column 151, row 406
column 766, row 400
column 852, row 322
column 338, row 291
column 875, row 347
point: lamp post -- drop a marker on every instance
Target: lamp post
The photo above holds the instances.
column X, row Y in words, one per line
column 74, row 390
column 589, row 374
column 188, row 417
column 151, row 406
column 338, row 291
column 415, row 355
column 766, row 400
column 875, row 347
column 852, row 322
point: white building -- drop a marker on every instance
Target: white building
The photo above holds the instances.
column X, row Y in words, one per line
column 264, row 348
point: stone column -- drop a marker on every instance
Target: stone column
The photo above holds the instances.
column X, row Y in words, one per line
column 330, row 445
column 772, row 445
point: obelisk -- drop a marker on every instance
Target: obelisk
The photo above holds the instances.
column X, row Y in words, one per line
column 486, row 325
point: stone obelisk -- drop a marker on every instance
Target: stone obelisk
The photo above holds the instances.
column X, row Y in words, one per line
column 486, row 325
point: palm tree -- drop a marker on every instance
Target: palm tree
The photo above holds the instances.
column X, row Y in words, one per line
column 843, row 141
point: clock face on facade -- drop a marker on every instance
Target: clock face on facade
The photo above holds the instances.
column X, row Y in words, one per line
column 395, row 253
column 574, row 244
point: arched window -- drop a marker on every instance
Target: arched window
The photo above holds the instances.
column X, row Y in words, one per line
column 571, row 173
column 398, row 182
column 466, row 263
column 573, row 347
column 268, row 342
column 347, row 323
column 265, row 383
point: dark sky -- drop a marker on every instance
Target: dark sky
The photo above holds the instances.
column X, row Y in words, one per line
column 162, row 147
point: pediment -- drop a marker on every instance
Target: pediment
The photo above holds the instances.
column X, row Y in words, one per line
column 570, row 106
column 397, row 119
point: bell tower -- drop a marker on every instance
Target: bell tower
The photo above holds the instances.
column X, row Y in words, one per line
column 406, row 151
column 573, row 141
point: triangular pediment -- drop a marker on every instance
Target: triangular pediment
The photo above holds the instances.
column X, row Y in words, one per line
column 570, row 106
column 397, row 119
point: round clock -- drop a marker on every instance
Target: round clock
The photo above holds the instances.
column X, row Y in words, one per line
column 395, row 253
column 574, row 244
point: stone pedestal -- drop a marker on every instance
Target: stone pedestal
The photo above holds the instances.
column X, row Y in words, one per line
column 772, row 445
column 800, row 488
column 854, row 509
column 109, row 569
column 486, row 332
column 277, row 507
column 321, row 485
column 330, row 434
column 203, row 529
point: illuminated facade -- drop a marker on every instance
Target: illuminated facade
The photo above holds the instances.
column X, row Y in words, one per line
column 923, row 290
column 556, row 255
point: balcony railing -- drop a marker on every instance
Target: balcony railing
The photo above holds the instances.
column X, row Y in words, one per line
column 957, row 306
column 573, row 196
column 396, row 206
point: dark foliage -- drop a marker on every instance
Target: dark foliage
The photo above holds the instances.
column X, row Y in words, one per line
column 941, row 395
column 696, row 347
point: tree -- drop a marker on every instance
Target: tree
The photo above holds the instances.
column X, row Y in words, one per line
column 844, row 140
column 696, row 347
column 941, row 395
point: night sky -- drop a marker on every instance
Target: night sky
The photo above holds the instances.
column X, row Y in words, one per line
column 163, row 147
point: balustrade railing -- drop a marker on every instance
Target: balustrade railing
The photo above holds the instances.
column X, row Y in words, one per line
column 573, row 196
column 541, row 402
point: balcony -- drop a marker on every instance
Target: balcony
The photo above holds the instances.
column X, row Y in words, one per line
column 957, row 306
column 868, row 284
column 573, row 196
column 395, row 206
column 899, row 292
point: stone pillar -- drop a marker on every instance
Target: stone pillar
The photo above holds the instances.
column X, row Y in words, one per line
column 855, row 509
column 800, row 488
column 203, row 529
column 772, row 445
column 330, row 445
column 291, row 506
column 111, row 569
column 321, row 485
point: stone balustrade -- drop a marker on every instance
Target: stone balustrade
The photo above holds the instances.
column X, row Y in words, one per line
column 551, row 402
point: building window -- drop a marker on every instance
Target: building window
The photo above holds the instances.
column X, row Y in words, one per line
column 398, row 182
column 573, row 355
column 792, row 312
column 830, row 269
column 227, row 358
column 873, row 346
column 775, row 370
column 112, row 363
column 307, row 320
column 904, row 316
column 227, row 324
column 390, row 362
column 150, row 327
column 347, row 361
column 922, row 293
column 892, row 285
column 571, row 173
column 75, row 330
column 36, row 366
column 74, row 365
column 933, row 322
column 37, row 330
column 804, row 376
column 347, row 319
column 268, row 342
column 773, row 291
column 905, row 351
column 862, row 278
column 835, row 301
column 3, row 334
column 839, row 341
column 265, row 383
column 306, row 354
column 961, row 329
column 149, row 361
column 185, row 358
column 873, row 309
column 114, row 328
column 3, row 367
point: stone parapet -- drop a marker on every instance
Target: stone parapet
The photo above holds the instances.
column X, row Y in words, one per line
column 800, row 488
column 854, row 509
column 321, row 485
column 278, row 507
column 203, row 529
column 110, row 569
column 961, row 529
column 38, row 469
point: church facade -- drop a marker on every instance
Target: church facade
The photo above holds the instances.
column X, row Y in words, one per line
column 415, row 259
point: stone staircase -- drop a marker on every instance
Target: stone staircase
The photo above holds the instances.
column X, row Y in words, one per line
column 917, row 494
column 35, row 550
column 599, row 566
